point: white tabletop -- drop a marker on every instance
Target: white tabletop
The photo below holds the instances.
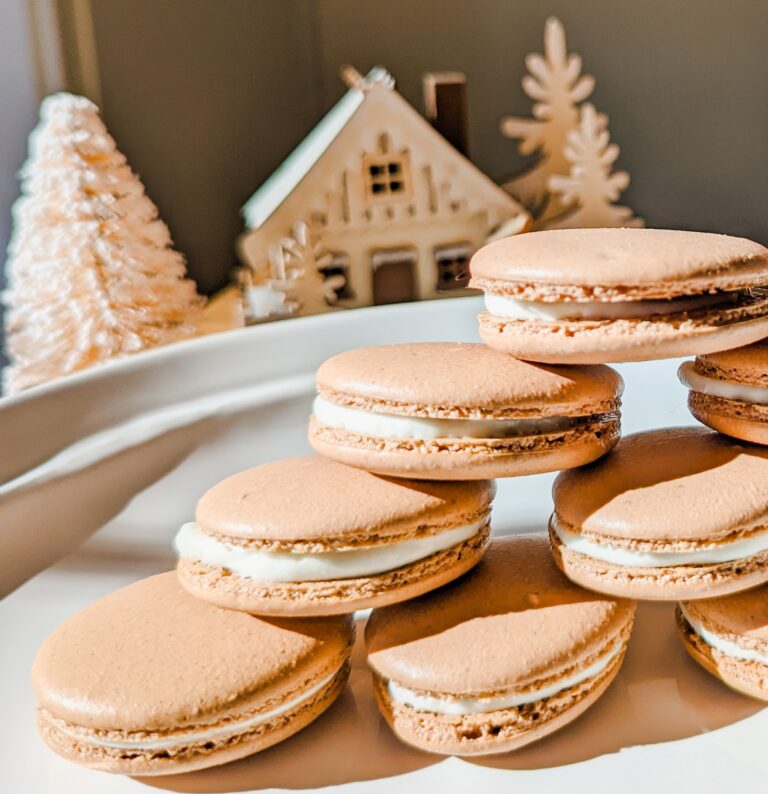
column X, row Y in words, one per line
column 663, row 725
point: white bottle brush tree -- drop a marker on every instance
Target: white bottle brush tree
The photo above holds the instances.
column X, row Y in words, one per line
column 91, row 269
column 592, row 186
column 556, row 85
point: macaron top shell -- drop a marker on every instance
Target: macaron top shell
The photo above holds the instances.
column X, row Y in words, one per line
column 748, row 364
column 649, row 262
column 742, row 614
column 152, row 657
column 454, row 380
column 688, row 484
column 314, row 499
column 509, row 622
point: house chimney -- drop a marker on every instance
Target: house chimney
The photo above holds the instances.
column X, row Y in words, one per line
column 445, row 102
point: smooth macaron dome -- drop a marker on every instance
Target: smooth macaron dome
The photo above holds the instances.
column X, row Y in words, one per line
column 461, row 411
column 680, row 513
column 729, row 391
column 151, row 681
column 728, row 636
column 606, row 295
column 309, row 536
column 502, row 657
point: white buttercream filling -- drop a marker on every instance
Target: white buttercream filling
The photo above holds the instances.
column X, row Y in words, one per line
column 517, row 309
column 726, row 389
column 723, row 645
column 286, row 566
column 469, row 705
column 233, row 728
column 369, row 423
column 712, row 555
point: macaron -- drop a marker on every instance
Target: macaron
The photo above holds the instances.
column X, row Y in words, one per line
column 309, row 536
column 461, row 412
column 502, row 657
column 680, row 513
column 151, row 681
column 583, row 296
column 729, row 391
column 728, row 636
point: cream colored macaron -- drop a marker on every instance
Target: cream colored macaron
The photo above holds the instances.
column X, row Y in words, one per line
column 309, row 536
column 500, row 658
column 461, row 411
column 577, row 296
column 729, row 391
column 151, row 681
column 671, row 514
column 729, row 637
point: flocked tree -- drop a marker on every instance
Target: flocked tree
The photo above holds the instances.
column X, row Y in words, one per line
column 591, row 187
column 92, row 273
column 556, row 85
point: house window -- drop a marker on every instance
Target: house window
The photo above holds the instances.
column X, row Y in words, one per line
column 452, row 262
column 387, row 176
column 339, row 266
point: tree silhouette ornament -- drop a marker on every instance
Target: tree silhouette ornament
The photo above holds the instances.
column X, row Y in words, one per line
column 557, row 86
column 591, row 187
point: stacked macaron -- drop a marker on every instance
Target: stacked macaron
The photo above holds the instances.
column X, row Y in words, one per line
column 477, row 645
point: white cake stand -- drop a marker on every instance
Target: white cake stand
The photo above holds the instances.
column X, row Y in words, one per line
column 153, row 432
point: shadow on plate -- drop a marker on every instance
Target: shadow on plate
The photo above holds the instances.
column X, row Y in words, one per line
column 660, row 695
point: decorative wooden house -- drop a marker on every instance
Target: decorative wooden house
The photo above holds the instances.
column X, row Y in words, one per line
column 397, row 208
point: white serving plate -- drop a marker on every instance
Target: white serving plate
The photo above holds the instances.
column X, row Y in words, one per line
column 169, row 423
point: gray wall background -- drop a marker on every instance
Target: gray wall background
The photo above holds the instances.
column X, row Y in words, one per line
column 206, row 97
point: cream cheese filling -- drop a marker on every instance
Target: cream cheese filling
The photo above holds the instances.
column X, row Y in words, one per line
column 377, row 425
column 546, row 311
column 723, row 645
column 233, row 728
column 286, row 566
column 713, row 555
column 726, row 389
column 469, row 705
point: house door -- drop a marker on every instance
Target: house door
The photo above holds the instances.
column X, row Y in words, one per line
column 394, row 275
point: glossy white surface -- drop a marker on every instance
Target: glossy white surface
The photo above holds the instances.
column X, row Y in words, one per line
column 664, row 725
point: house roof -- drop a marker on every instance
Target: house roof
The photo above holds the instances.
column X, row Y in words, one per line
column 279, row 186
column 297, row 165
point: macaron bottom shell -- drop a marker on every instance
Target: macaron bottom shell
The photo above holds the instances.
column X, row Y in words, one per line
column 193, row 756
column 470, row 458
column 496, row 731
column 733, row 418
column 678, row 582
column 746, row 677
column 614, row 341
column 334, row 597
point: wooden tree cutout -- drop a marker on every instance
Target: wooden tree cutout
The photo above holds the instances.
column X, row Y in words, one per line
column 556, row 85
column 592, row 187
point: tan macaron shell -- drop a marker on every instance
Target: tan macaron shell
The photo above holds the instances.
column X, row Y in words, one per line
column 466, row 381
column 740, row 619
column 152, row 660
column 512, row 624
column 736, row 418
column 671, row 490
column 313, row 505
column 620, row 265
